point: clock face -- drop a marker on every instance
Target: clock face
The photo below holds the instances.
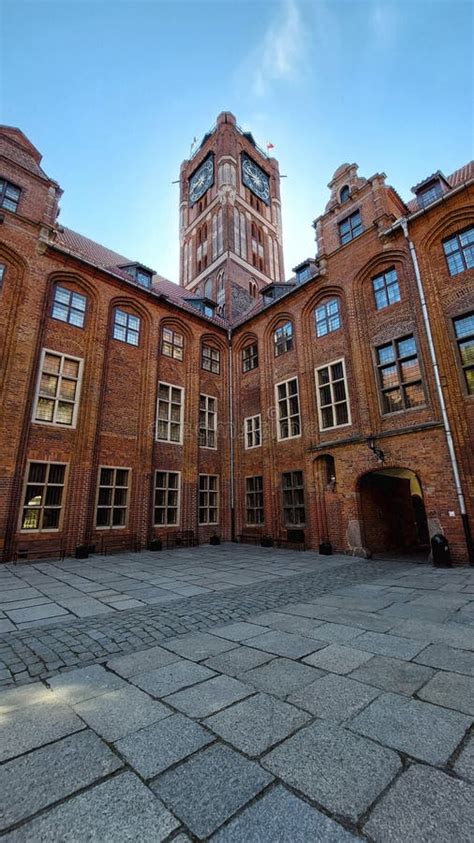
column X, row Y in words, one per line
column 256, row 179
column 201, row 180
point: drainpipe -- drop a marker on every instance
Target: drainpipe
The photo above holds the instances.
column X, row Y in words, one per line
column 231, row 440
column 439, row 389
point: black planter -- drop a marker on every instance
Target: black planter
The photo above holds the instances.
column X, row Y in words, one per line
column 82, row 551
column 325, row 548
column 155, row 544
column 266, row 541
column 215, row 540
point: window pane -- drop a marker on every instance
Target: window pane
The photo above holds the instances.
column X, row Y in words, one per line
column 121, row 477
column 37, row 473
column 56, row 473
column 410, row 369
column 414, row 395
column 78, row 301
column 392, row 401
column 406, row 346
column 103, row 517
column 464, row 326
column 60, row 312
column 64, row 413
column 389, row 376
column 106, row 476
column 466, row 350
column 48, row 384
column 386, row 353
column 44, row 409
column 51, row 519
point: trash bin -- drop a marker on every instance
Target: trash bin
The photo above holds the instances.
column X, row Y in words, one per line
column 325, row 548
column 440, row 551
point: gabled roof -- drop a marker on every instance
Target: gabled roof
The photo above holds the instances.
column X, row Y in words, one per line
column 454, row 180
column 19, row 149
column 110, row 261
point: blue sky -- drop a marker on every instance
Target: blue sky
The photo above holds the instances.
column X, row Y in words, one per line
column 112, row 93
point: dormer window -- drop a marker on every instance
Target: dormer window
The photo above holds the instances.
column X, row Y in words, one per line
column 345, row 193
column 430, row 193
column 205, row 306
column 9, row 195
column 303, row 274
column 139, row 273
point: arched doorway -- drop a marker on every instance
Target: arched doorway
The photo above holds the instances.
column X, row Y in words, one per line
column 393, row 515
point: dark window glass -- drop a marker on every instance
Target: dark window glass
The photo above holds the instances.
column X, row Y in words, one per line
column 430, row 194
column 459, row 251
column 283, row 339
column 69, row 306
column 254, row 500
column 350, row 227
column 328, row 317
column 210, row 359
column 345, row 193
column 126, row 327
column 172, row 344
column 464, row 330
column 43, row 496
column 250, row 357
column 9, row 195
column 293, row 498
column 386, row 289
column 112, row 497
column 400, row 375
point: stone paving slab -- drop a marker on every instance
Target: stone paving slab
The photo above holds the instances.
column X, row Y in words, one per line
column 286, row 644
column 155, row 657
column 14, row 698
column 419, row 729
column 334, row 697
column 282, row 816
column 209, row 696
column 451, row 690
column 339, row 770
column 239, row 631
column 152, row 750
column 35, row 725
column 210, row 787
column 447, row 658
column 424, row 805
column 384, row 644
column 120, row 810
column 118, row 713
column 256, row 724
column 84, row 683
column 395, row 675
column 281, row 676
column 45, row 776
column 464, row 765
column 234, row 662
column 338, row 658
column 199, row 645
column 172, row 678
column 288, row 623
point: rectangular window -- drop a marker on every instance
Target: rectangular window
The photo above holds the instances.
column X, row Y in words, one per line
column 464, row 330
column 167, row 498
column 328, row 317
column 386, row 289
column 283, row 339
column 293, row 498
column 210, row 359
column 399, row 372
column 9, row 195
column 43, row 496
column 2, row 274
column 112, row 497
column 253, row 431
column 350, row 227
column 254, row 500
column 69, row 306
column 126, row 327
column 59, row 386
column 208, row 499
column 459, row 251
column 288, row 404
column 331, row 389
column 172, row 344
column 250, row 357
column 169, row 427
column 207, row 421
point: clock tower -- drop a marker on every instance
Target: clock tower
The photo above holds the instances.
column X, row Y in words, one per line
column 230, row 219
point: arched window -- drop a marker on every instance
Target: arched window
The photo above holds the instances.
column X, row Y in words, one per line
column 208, row 289
column 258, row 252
column 252, row 289
column 283, row 338
column 345, row 193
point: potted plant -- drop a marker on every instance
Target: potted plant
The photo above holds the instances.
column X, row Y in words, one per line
column 215, row 539
column 82, row 551
column 155, row 544
column 266, row 541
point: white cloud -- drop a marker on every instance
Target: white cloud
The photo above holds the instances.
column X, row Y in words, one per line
column 278, row 56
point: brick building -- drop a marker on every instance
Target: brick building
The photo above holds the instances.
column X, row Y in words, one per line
column 334, row 407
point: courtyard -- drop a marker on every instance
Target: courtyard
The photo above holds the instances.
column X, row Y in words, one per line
column 236, row 693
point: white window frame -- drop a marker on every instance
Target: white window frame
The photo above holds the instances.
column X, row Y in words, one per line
column 206, row 430
column 252, row 430
column 56, row 399
column 167, row 506
column 114, row 486
column 333, row 403
column 24, row 530
column 168, row 421
column 207, row 491
column 288, row 417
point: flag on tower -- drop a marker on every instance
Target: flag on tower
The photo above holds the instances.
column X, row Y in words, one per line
column 270, row 145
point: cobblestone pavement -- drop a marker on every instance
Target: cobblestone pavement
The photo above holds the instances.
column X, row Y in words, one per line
column 329, row 706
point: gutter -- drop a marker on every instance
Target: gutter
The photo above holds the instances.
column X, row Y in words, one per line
column 403, row 223
column 231, row 440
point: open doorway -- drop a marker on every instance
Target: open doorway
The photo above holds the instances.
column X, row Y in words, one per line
column 393, row 515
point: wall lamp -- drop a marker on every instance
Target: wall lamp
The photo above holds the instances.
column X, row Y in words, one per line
column 376, row 451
